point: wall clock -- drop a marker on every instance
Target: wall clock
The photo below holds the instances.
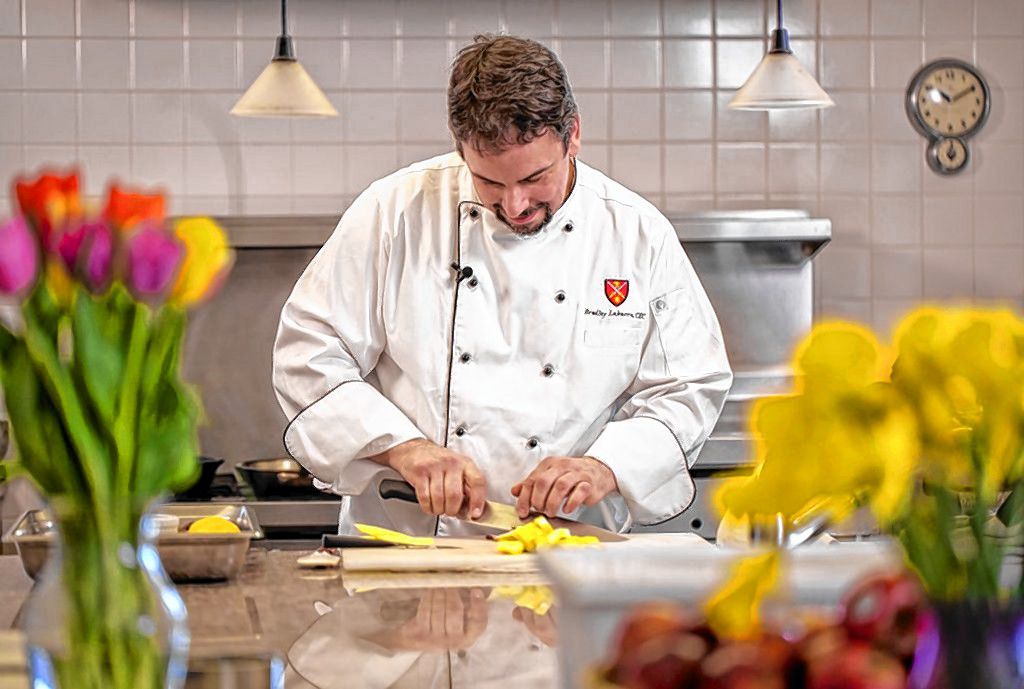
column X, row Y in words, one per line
column 948, row 102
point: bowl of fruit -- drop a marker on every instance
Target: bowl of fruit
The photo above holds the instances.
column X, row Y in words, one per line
column 868, row 642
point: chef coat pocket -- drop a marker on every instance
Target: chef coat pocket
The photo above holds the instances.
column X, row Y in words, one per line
column 613, row 337
column 686, row 338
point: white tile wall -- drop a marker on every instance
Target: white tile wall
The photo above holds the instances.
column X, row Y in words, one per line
column 141, row 88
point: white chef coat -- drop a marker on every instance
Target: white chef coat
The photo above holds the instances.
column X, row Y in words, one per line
column 381, row 342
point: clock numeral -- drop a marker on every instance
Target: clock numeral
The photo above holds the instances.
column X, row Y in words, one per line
column 949, row 74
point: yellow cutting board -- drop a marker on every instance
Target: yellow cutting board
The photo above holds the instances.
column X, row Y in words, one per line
column 456, row 555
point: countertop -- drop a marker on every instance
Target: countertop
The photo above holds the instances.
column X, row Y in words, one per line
column 372, row 630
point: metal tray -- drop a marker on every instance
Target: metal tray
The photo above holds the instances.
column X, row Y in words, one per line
column 185, row 556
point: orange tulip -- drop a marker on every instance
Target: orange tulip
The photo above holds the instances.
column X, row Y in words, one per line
column 48, row 201
column 125, row 209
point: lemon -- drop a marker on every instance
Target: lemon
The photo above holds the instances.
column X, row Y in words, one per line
column 213, row 525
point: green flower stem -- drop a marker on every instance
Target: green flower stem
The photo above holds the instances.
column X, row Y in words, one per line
column 58, row 382
column 125, row 429
column 105, row 649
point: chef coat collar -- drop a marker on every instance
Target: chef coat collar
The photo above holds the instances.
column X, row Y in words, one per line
column 471, row 207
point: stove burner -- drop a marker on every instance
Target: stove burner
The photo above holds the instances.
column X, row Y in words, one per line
column 222, row 486
column 227, row 488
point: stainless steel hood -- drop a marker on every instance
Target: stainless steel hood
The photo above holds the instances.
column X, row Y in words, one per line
column 757, row 269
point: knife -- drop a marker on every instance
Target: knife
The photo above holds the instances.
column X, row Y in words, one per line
column 497, row 516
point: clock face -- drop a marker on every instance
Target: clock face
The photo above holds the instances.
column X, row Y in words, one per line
column 948, row 98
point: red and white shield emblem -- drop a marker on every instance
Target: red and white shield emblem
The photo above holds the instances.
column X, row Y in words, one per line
column 616, row 291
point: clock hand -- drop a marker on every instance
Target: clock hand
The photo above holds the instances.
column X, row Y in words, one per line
column 963, row 93
column 932, row 90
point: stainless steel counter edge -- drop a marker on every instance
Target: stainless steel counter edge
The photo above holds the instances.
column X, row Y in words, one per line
column 311, row 231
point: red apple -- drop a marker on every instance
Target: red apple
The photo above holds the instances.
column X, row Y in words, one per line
column 767, row 662
column 855, row 665
column 884, row 609
column 666, row 662
column 649, row 621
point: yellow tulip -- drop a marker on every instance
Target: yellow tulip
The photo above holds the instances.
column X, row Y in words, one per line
column 59, row 282
column 207, row 260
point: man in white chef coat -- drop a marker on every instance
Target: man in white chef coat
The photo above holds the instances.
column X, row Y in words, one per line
column 502, row 322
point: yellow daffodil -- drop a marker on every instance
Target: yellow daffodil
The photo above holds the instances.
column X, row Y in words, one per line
column 207, row 259
column 941, row 435
column 963, row 371
column 843, row 434
column 734, row 610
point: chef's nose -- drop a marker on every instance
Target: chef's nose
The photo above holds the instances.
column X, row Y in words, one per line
column 515, row 202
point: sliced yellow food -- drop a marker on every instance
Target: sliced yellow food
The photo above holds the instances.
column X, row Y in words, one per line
column 538, row 598
column 510, row 547
column 213, row 525
column 379, row 533
column 539, row 534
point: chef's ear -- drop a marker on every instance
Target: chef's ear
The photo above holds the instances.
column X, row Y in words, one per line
column 574, row 138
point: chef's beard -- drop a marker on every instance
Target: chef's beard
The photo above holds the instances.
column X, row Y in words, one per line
column 525, row 231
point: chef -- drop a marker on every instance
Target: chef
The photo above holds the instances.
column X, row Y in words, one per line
column 502, row 322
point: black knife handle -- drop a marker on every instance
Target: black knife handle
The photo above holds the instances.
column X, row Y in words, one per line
column 393, row 488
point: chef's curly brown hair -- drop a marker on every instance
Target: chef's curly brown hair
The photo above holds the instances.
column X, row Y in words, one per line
column 506, row 90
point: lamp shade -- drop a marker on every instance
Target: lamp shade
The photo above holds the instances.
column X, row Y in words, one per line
column 284, row 89
column 780, row 82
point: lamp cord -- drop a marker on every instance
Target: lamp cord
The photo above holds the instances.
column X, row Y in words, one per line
column 284, row 15
column 778, row 15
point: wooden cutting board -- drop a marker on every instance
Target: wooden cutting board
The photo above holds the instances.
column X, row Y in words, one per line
column 461, row 555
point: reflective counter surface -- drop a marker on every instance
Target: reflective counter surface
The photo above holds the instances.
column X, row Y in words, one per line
column 403, row 630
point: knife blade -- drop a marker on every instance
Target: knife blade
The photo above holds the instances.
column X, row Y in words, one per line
column 498, row 516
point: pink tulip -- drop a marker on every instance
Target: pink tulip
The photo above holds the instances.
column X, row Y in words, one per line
column 19, row 257
column 69, row 242
column 153, row 257
column 96, row 263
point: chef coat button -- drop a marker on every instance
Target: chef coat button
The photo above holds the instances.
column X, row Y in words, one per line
column 559, row 296
column 473, row 282
column 473, row 213
column 461, row 653
column 568, row 227
column 466, row 356
column 548, row 370
column 532, row 443
column 460, row 431
column 659, row 305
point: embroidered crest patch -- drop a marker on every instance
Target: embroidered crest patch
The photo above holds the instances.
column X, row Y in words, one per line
column 616, row 290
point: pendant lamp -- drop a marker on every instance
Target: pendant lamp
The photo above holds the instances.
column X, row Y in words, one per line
column 780, row 82
column 283, row 88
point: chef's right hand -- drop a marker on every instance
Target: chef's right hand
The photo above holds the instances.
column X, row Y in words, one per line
column 443, row 479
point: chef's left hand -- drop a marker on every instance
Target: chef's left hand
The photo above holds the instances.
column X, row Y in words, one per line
column 575, row 480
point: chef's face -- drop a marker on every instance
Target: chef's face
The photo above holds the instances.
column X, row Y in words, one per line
column 525, row 183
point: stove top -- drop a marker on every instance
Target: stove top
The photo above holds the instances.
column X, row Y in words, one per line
column 284, row 519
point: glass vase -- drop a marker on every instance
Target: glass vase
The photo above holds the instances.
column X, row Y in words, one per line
column 970, row 644
column 103, row 614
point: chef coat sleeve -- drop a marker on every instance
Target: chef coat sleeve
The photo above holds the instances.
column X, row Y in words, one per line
column 675, row 400
column 329, row 339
